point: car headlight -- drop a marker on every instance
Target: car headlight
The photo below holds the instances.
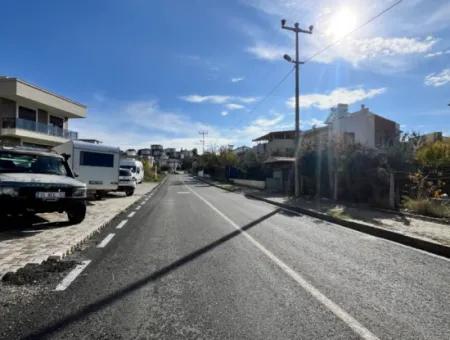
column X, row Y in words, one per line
column 9, row 191
column 79, row 192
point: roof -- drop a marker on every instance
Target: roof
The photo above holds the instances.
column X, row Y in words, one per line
column 94, row 147
column 272, row 160
column 5, row 78
column 29, row 151
column 288, row 134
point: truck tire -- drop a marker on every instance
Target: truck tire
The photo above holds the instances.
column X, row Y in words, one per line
column 129, row 192
column 76, row 213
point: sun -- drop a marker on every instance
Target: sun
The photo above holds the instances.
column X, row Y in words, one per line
column 342, row 23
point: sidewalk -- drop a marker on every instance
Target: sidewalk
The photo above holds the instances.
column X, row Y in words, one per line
column 49, row 236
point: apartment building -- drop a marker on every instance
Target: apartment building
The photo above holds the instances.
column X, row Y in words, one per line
column 32, row 116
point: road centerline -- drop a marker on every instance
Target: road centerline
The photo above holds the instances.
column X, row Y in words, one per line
column 355, row 325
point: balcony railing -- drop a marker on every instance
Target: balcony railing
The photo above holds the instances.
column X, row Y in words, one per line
column 29, row 125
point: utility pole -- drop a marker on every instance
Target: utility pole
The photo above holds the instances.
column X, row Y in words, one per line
column 203, row 133
column 296, row 29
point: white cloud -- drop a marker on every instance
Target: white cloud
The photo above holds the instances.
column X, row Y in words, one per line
column 233, row 106
column 438, row 79
column 377, row 49
column 437, row 53
column 214, row 99
column 339, row 95
column 217, row 99
column 312, row 122
column 224, row 113
column 267, row 51
column 237, row 79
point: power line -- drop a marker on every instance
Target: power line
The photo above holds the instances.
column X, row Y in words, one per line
column 352, row 31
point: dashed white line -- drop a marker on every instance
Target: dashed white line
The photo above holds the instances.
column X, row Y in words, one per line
column 131, row 214
column 182, row 192
column 333, row 307
column 73, row 274
column 105, row 241
column 121, row 224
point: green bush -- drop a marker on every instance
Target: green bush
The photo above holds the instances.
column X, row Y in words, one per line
column 427, row 207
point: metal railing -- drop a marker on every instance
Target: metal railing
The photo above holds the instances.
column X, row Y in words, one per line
column 29, row 125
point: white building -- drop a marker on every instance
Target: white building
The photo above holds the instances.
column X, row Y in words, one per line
column 32, row 116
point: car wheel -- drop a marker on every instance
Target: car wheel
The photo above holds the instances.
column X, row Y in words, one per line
column 129, row 192
column 76, row 213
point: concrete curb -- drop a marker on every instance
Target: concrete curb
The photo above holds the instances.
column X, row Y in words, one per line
column 431, row 247
column 103, row 225
column 79, row 243
column 428, row 246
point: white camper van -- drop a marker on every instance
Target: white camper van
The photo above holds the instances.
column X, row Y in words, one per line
column 136, row 168
column 97, row 165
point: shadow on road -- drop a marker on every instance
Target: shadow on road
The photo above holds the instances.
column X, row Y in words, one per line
column 14, row 227
column 119, row 294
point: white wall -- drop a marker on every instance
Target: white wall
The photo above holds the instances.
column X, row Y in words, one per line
column 249, row 183
column 362, row 125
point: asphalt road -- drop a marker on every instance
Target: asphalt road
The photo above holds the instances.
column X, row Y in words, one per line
column 198, row 262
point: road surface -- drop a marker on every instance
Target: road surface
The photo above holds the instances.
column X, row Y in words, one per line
column 198, row 262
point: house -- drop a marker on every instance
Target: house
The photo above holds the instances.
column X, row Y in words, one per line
column 241, row 150
column 363, row 127
column 32, row 116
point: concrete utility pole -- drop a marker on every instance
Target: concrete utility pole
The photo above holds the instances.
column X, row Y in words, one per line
column 203, row 133
column 296, row 29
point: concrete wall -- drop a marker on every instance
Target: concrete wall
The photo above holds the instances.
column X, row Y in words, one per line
column 361, row 124
column 249, row 183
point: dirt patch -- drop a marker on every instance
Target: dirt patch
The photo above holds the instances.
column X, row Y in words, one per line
column 37, row 273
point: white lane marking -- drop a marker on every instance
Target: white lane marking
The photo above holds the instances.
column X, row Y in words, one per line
column 131, row 214
column 73, row 274
column 121, row 224
column 105, row 241
column 334, row 308
column 182, row 192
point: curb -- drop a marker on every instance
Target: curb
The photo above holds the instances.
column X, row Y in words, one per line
column 60, row 256
column 428, row 246
column 103, row 225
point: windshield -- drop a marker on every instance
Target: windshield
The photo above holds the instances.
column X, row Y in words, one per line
column 124, row 173
column 132, row 168
column 11, row 162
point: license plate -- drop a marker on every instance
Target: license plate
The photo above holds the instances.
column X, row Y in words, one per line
column 50, row 196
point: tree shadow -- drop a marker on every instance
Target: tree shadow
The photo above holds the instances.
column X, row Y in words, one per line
column 121, row 293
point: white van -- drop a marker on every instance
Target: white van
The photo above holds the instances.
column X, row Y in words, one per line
column 136, row 168
column 97, row 165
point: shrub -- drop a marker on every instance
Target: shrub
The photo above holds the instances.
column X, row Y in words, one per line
column 427, row 207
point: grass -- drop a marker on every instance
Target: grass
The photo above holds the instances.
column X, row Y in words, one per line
column 427, row 207
column 338, row 212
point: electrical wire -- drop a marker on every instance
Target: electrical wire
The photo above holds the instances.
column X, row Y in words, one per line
column 352, row 31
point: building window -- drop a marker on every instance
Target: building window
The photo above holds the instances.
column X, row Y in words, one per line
column 349, row 137
column 27, row 114
column 56, row 121
column 96, row 159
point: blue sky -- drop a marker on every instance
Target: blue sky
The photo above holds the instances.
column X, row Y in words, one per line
column 160, row 71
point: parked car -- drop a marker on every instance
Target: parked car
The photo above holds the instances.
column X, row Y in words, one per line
column 34, row 181
column 97, row 165
column 136, row 168
column 127, row 183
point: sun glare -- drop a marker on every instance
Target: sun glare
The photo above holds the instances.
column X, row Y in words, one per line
column 342, row 23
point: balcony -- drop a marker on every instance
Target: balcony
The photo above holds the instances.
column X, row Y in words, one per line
column 46, row 129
